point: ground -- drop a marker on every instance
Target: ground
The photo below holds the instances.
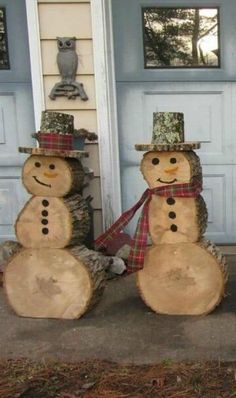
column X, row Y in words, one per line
column 139, row 353
column 95, row 379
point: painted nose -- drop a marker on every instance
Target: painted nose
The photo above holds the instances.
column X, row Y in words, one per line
column 50, row 175
column 171, row 170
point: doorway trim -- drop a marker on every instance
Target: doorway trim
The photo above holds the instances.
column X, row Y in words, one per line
column 105, row 86
column 35, row 59
column 105, row 98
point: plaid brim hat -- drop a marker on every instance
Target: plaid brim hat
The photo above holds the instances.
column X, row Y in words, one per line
column 55, row 137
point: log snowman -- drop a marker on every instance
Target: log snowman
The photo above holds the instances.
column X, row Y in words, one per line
column 181, row 273
column 54, row 275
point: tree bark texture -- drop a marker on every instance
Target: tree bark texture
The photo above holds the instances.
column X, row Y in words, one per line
column 54, row 152
column 181, row 146
column 56, row 122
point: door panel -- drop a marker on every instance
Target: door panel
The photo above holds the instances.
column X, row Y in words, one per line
column 208, row 112
column 12, row 199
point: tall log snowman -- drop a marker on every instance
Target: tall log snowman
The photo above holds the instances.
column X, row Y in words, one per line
column 54, row 275
column 181, row 273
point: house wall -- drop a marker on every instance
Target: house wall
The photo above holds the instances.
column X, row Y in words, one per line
column 72, row 19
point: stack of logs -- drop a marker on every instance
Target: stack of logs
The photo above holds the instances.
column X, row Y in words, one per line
column 54, row 275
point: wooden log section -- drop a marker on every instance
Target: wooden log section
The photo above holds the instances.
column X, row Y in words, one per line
column 183, row 278
column 173, row 220
column 181, row 146
column 168, row 127
column 56, row 122
column 52, row 176
column 55, row 283
column 53, row 222
column 167, row 168
column 65, row 153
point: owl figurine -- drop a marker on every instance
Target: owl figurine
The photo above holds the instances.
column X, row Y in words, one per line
column 67, row 59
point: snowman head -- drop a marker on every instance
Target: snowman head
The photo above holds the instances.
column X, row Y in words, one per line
column 168, row 168
column 47, row 175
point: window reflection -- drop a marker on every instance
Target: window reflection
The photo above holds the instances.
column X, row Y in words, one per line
column 181, row 37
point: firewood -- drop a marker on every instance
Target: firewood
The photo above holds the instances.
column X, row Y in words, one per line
column 7, row 249
column 52, row 176
column 55, row 283
column 56, row 122
column 53, row 222
column 54, row 152
column 181, row 146
column 183, row 278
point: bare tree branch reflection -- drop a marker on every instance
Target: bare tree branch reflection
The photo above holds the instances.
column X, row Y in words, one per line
column 181, row 37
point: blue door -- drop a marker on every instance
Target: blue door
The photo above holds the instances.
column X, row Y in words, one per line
column 16, row 110
column 203, row 87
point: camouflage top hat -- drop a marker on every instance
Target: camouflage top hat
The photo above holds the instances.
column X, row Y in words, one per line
column 56, row 137
column 168, row 134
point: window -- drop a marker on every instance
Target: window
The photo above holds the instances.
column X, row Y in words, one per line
column 181, row 37
column 4, row 56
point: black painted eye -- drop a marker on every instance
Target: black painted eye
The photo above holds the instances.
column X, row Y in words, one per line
column 68, row 43
column 37, row 164
column 60, row 44
column 155, row 161
column 52, row 166
column 173, row 160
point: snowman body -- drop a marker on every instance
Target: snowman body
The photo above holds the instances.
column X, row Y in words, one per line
column 54, row 275
column 182, row 274
column 56, row 216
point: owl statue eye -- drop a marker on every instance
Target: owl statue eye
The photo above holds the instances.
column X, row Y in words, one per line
column 60, row 44
column 68, row 43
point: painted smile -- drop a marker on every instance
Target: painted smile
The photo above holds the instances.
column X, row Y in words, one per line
column 167, row 182
column 42, row 183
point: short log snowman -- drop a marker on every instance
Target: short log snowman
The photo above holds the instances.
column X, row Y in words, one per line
column 54, row 275
column 180, row 273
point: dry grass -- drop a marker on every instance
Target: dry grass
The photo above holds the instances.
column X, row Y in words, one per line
column 95, row 379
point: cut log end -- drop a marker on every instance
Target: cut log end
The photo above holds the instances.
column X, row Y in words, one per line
column 182, row 278
column 185, row 220
column 54, row 283
column 49, row 222
column 52, row 176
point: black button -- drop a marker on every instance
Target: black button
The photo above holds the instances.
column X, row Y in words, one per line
column 173, row 228
column 170, row 201
column 44, row 213
column 45, row 231
column 44, row 221
column 172, row 214
column 45, row 203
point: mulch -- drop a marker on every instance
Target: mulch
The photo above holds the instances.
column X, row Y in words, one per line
column 94, row 379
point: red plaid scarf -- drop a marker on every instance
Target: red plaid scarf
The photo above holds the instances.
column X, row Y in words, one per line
column 136, row 256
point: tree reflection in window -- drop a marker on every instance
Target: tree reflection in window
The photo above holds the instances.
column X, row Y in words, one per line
column 4, row 56
column 181, row 37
